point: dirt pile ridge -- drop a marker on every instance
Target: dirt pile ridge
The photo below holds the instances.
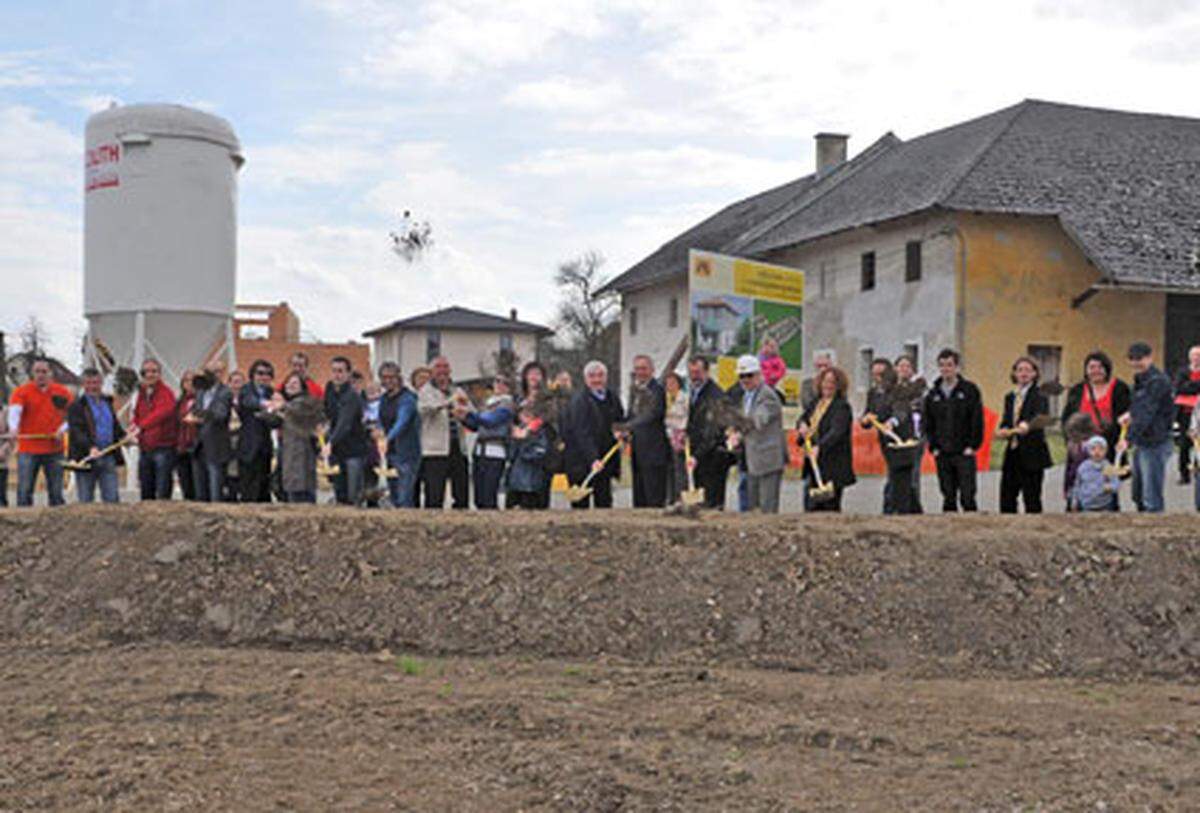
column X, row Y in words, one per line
column 932, row 596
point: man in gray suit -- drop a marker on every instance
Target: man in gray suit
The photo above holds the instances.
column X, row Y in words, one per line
column 760, row 433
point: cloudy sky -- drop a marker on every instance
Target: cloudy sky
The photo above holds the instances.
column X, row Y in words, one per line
column 526, row 132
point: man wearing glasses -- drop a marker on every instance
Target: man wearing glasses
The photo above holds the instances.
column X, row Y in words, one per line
column 156, row 422
column 760, row 434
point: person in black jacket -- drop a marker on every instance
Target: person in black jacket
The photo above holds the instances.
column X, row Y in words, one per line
column 214, row 448
column 255, row 447
column 954, row 425
column 706, row 434
column 647, row 434
column 92, row 425
column 1101, row 397
column 829, row 421
column 347, row 441
column 1187, row 389
column 1023, row 428
column 587, row 432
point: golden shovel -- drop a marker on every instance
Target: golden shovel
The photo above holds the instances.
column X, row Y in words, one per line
column 896, row 442
column 822, row 491
column 382, row 469
column 693, row 495
column 1196, row 453
column 1120, row 468
column 85, row 464
column 584, row 489
column 324, row 468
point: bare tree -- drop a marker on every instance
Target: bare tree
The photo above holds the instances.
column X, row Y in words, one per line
column 584, row 315
column 34, row 337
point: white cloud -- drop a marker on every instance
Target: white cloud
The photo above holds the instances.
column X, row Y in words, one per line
column 564, row 94
column 685, row 166
column 450, row 39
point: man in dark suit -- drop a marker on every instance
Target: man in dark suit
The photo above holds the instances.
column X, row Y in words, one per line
column 648, row 435
column 255, row 448
column 213, row 451
column 706, row 434
column 587, row 433
column 347, row 442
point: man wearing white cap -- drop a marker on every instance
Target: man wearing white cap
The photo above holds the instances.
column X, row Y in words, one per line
column 760, row 433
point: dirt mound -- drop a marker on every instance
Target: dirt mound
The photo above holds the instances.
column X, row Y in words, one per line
column 952, row 596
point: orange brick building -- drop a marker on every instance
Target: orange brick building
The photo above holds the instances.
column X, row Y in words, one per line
column 282, row 339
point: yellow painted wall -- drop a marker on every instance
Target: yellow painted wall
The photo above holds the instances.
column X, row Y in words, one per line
column 1021, row 275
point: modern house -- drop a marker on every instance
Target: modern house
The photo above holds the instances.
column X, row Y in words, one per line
column 471, row 341
column 1042, row 229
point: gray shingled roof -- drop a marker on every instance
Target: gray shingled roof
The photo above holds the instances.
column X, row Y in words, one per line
column 456, row 318
column 1124, row 186
column 719, row 232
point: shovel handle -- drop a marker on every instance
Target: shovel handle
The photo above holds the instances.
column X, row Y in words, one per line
column 603, row 462
column 886, row 430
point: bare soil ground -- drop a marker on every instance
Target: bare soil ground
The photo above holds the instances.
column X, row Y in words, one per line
column 185, row 658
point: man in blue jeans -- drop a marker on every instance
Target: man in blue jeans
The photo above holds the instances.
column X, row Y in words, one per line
column 398, row 418
column 1149, row 420
column 92, row 427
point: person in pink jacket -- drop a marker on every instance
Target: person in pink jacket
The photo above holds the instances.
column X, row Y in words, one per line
column 773, row 368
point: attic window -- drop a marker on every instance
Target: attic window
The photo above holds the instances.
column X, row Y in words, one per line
column 868, row 271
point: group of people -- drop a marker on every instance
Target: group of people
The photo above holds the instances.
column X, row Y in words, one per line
column 404, row 443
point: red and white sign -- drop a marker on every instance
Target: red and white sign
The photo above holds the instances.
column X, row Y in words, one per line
column 101, row 165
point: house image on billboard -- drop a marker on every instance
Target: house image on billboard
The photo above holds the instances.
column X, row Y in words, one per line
column 1042, row 229
column 715, row 325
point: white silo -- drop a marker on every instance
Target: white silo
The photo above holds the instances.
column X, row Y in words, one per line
column 160, row 236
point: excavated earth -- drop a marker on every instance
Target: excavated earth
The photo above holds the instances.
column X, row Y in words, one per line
column 177, row 657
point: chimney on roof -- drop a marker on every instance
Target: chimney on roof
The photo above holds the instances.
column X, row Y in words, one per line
column 831, row 151
column 512, row 314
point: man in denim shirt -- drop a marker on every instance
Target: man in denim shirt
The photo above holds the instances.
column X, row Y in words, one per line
column 1149, row 419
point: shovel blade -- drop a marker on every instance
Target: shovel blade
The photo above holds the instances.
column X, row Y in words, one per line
column 577, row 493
column 386, row 473
column 823, row 493
column 692, row 496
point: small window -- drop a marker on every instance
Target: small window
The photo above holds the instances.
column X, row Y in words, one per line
column 866, row 357
column 633, row 321
column 913, row 351
column 912, row 261
column 868, row 271
column 433, row 344
column 506, row 343
column 673, row 313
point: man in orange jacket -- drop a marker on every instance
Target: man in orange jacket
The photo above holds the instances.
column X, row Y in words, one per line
column 37, row 417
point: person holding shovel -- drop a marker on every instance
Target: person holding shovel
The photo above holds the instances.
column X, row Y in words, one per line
column 759, row 433
column 6, row 451
column 298, row 415
column 93, row 429
column 37, row 420
column 589, row 438
column 825, row 427
column 675, row 421
column 705, row 433
column 1023, row 430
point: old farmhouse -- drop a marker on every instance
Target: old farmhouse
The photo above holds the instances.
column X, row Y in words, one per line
column 1043, row 229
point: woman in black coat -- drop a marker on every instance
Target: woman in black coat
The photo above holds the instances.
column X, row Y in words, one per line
column 1023, row 428
column 1101, row 397
column 828, row 421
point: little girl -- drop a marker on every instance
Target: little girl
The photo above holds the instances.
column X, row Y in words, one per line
column 526, row 454
column 1077, row 430
column 1093, row 490
column 771, row 363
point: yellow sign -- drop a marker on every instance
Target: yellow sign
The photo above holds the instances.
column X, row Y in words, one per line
column 768, row 282
column 726, row 372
